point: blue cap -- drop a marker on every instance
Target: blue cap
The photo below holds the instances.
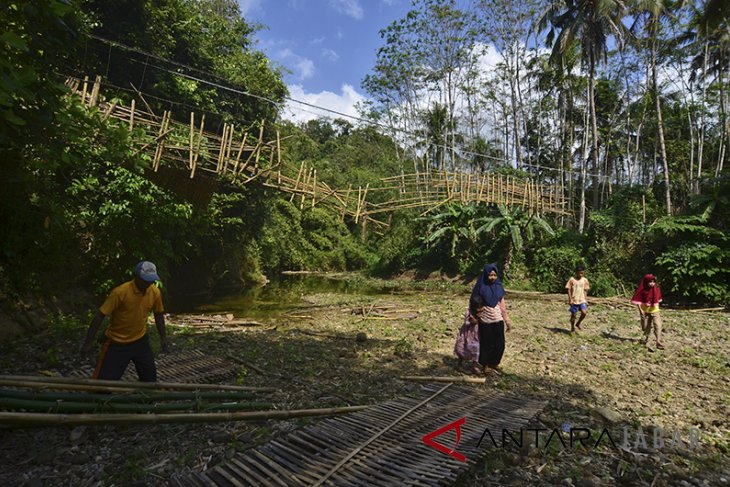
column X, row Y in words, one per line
column 146, row 271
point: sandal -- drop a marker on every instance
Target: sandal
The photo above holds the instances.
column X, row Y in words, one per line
column 660, row 346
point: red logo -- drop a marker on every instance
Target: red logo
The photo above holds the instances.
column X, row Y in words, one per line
column 428, row 439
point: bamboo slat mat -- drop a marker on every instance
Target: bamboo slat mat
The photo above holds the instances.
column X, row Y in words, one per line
column 396, row 457
column 193, row 367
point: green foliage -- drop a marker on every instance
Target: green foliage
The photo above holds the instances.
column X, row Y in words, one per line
column 400, row 249
column 694, row 257
column 698, row 271
column 29, row 89
column 604, row 282
column 552, row 265
column 309, row 239
column 209, row 35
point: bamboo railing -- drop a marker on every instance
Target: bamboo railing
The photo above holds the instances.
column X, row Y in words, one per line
column 238, row 157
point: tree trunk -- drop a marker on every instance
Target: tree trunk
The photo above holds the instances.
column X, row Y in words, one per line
column 701, row 142
column 594, row 129
column 583, row 170
column 660, row 125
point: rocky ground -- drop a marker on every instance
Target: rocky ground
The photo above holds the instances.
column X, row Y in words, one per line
column 338, row 349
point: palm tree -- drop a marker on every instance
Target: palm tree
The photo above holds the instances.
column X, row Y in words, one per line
column 650, row 13
column 589, row 23
column 514, row 225
column 436, row 128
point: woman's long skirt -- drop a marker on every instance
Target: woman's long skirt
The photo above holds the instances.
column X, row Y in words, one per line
column 491, row 343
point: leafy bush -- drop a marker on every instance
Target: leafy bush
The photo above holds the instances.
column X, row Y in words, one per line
column 698, row 271
column 398, row 250
column 552, row 266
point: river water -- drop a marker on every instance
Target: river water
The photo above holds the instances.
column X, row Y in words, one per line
column 281, row 295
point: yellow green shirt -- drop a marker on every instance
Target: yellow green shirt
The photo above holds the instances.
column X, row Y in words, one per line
column 649, row 309
column 128, row 310
column 578, row 288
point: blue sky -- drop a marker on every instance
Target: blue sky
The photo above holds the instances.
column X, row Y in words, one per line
column 327, row 45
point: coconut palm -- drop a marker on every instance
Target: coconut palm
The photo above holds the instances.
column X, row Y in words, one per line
column 589, row 23
column 649, row 14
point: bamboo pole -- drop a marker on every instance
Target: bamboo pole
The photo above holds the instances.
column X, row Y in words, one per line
column 227, row 157
column 258, row 153
column 296, row 183
column 305, row 187
column 86, row 87
column 131, row 115
column 240, row 151
column 526, row 194
column 471, row 380
column 27, row 380
column 145, row 396
column 357, row 209
column 91, row 407
column 248, row 159
column 278, row 156
column 46, row 419
column 197, row 147
column 109, row 109
column 192, row 140
column 347, row 200
column 161, row 141
column 95, row 91
column 314, row 188
column 222, row 149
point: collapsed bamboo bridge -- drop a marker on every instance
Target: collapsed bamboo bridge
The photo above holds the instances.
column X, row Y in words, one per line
column 191, row 160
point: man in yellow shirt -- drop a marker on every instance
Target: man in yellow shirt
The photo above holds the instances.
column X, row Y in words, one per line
column 128, row 307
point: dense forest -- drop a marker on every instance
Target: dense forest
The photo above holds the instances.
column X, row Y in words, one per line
column 624, row 104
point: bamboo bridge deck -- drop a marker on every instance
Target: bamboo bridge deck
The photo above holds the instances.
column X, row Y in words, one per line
column 380, row 445
column 194, row 367
column 181, row 152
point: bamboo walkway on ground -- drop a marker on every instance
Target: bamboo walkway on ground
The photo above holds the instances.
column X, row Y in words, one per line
column 239, row 158
column 380, row 445
column 194, row 367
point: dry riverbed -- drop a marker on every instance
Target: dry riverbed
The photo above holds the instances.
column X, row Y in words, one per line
column 337, row 350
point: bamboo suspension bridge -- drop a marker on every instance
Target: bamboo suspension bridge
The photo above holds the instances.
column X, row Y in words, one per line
column 189, row 159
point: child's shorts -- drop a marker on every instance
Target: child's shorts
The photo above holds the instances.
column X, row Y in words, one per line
column 575, row 307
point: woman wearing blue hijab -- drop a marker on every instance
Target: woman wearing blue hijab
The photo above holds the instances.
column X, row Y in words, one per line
column 492, row 318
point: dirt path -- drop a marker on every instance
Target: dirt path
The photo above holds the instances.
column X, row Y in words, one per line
column 341, row 350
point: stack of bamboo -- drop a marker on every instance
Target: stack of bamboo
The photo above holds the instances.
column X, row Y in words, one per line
column 51, row 401
column 72, row 395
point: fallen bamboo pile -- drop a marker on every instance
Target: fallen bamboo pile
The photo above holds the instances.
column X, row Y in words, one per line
column 45, row 419
column 89, row 401
column 384, row 312
column 93, row 396
column 212, row 322
column 40, row 382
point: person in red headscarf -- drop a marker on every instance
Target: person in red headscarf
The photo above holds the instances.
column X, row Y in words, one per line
column 647, row 298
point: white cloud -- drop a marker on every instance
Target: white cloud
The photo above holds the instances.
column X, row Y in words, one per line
column 343, row 103
column 304, row 66
column 248, row 6
column 489, row 58
column 351, row 8
column 330, row 54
